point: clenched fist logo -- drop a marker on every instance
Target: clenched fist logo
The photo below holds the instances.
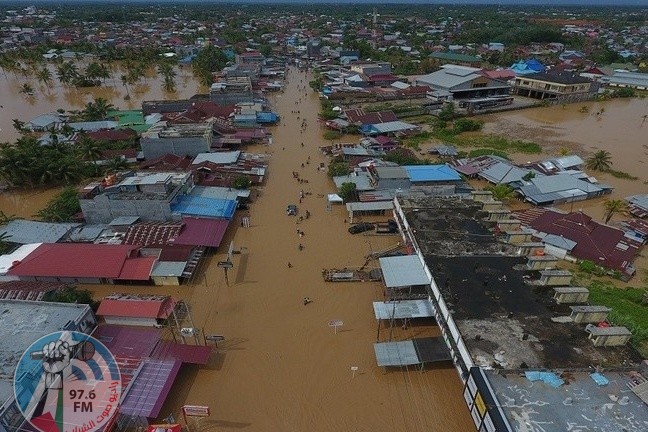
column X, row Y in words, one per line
column 56, row 357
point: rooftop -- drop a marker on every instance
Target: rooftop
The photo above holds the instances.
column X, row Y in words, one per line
column 22, row 323
column 26, row 231
column 578, row 404
column 505, row 322
column 164, row 130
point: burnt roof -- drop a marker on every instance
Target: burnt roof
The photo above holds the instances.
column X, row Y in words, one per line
column 504, row 321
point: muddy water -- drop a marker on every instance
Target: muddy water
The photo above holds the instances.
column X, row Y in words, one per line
column 26, row 203
column 617, row 126
column 282, row 368
column 22, row 107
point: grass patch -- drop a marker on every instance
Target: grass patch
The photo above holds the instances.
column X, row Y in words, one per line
column 415, row 141
column 487, row 151
column 494, row 142
column 332, row 135
column 629, row 308
column 621, row 174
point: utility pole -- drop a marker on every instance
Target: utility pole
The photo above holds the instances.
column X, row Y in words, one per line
column 374, row 31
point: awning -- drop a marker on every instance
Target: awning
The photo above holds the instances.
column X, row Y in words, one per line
column 401, row 271
column 403, row 309
column 150, row 388
column 335, row 198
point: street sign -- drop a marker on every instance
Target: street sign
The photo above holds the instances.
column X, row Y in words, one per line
column 336, row 324
column 215, row 338
column 230, row 251
column 225, row 264
column 195, row 411
column 189, row 331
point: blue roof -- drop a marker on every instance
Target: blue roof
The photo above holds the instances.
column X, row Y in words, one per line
column 266, row 117
column 188, row 205
column 423, row 173
column 525, row 67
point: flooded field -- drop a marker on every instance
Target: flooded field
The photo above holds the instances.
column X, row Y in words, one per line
column 25, row 203
column 14, row 105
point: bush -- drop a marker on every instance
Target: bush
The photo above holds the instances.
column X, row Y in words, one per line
column 625, row 92
column 332, row 135
column 337, row 169
column 242, row 182
column 61, row 208
column 591, row 268
column 485, row 152
column 467, row 125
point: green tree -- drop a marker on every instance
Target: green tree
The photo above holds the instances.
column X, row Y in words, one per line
column 26, row 89
column 348, row 191
column 209, row 60
column 44, row 76
column 613, row 207
column 501, row 192
column 88, row 149
column 338, row 167
column 599, row 161
column 447, row 113
column 242, row 182
column 97, row 109
column 115, row 164
column 62, row 207
column 71, row 294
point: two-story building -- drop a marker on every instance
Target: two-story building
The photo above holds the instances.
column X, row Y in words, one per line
column 188, row 139
column 565, row 87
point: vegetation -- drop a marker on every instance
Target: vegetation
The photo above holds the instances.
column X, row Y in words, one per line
column 447, row 113
column 629, row 308
column 599, row 161
column 61, row 208
column 331, row 135
column 338, row 167
column 242, row 182
column 348, row 191
column 403, row 156
column 501, row 192
column 327, row 112
column 466, row 125
column 613, row 207
column 414, row 141
column 487, row 151
column 209, row 60
column 620, row 174
column 71, row 294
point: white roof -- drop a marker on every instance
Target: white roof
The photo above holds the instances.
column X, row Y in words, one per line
column 7, row 261
column 401, row 271
column 149, row 179
column 403, row 309
column 217, row 157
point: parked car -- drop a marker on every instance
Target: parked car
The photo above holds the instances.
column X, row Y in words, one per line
column 291, row 210
column 361, row 227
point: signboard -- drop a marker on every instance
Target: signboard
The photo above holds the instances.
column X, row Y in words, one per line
column 215, row 338
column 230, row 251
column 481, row 406
column 196, row 411
column 225, row 264
column 335, row 323
column 189, row 331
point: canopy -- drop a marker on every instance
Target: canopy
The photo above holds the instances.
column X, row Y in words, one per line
column 335, row 198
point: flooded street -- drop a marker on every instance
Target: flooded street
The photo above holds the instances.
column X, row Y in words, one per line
column 22, row 107
column 26, row 203
column 281, row 367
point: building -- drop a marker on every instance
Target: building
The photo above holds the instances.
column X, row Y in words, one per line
column 45, row 122
column 179, row 139
column 84, row 263
column 463, row 82
column 456, row 59
column 313, row 49
column 21, row 324
column 559, row 86
column 558, row 189
column 148, row 196
column 577, row 236
column 512, row 344
column 635, row 80
column 136, row 310
column 232, row 91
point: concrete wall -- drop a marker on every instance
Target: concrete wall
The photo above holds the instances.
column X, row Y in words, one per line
column 180, row 146
column 103, row 210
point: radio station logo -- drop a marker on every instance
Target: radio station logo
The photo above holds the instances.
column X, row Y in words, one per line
column 68, row 382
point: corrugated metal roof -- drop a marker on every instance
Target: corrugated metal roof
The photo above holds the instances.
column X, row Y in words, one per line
column 369, row 206
column 74, row 260
column 424, row 173
column 137, row 268
column 217, row 157
column 138, row 307
column 206, row 207
column 502, row 172
column 394, row 126
column 202, row 232
column 168, row 268
column 361, row 181
column 401, row 271
column 27, row 231
column 445, row 79
column 150, row 388
column 403, row 309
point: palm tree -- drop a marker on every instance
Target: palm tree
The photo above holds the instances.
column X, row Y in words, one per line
column 97, row 110
column 67, row 73
column 502, row 192
column 169, row 84
column 116, row 164
column 27, row 89
column 44, row 76
column 88, row 149
column 600, row 161
column 612, row 207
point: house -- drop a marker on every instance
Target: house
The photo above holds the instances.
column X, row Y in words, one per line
column 633, row 80
column 45, row 122
column 232, row 91
column 558, row 86
column 638, row 205
column 389, row 128
column 84, row 263
column 577, row 235
column 143, row 194
column 136, row 310
column 359, row 116
column 22, row 231
column 180, row 139
column 558, row 189
column 456, row 59
column 432, row 174
column 463, row 82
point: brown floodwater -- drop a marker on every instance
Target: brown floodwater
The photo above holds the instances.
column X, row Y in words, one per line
column 22, row 107
column 281, row 367
column 25, row 203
